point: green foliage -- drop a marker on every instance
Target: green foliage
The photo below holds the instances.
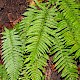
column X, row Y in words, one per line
column 12, row 54
column 53, row 28
column 67, row 34
column 3, row 73
column 38, row 38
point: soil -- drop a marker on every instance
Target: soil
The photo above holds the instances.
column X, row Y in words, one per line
column 15, row 7
column 11, row 10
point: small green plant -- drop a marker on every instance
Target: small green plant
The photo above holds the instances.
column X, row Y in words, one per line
column 53, row 28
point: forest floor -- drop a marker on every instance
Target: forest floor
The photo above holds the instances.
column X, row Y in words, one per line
column 10, row 11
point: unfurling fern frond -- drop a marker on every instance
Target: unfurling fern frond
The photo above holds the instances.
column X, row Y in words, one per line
column 12, row 54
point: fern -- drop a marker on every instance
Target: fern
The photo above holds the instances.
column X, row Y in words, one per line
column 12, row 55
column 71, row 18
column 68, row 33
column 3, row 73
column 38, row 40
column 64, row 62
column 52, row 28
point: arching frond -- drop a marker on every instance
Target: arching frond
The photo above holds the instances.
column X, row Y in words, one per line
column 12, row 54
column 70, row 18
column 67, row 38
column 38, row 40
column 64, row 62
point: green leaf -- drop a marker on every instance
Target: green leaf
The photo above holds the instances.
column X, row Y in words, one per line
column 12, row 54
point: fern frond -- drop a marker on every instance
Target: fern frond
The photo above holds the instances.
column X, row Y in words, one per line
column 12, row 54
column 3, row 73
column 23, row 27
column 70, row 16
column 64, row 62
column 67, row 35
column 38, row 40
